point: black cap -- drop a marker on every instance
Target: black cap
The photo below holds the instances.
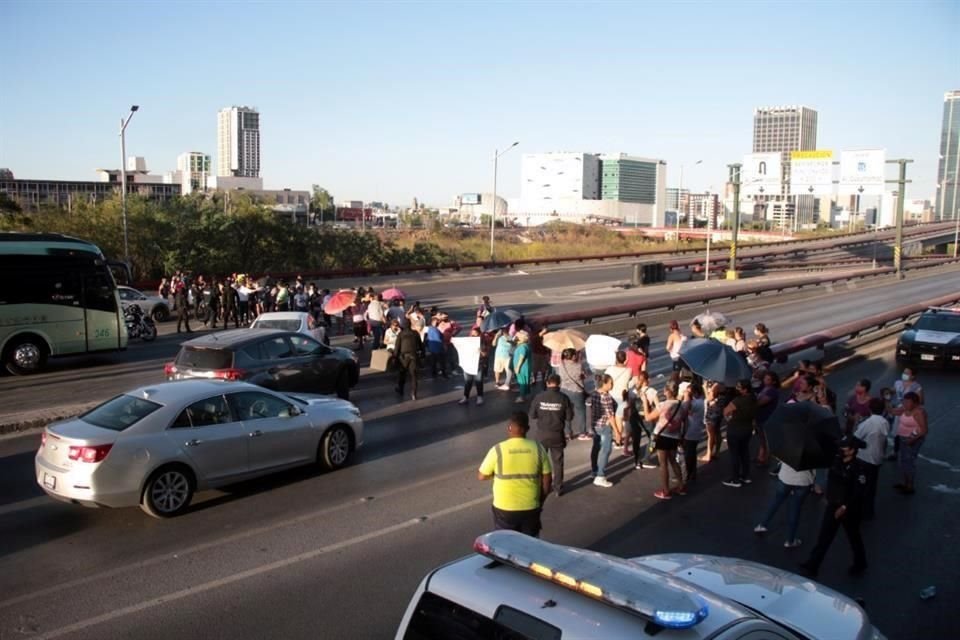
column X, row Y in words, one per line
column 851, row 442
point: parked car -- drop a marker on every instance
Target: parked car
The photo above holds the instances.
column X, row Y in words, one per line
column 516, row 586
column 271, row 358
column 934, row 339
column 297, row 321
column 156, row 446
column 152, row 306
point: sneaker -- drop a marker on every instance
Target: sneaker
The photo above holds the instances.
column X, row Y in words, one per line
column 759, row 529
column 792, row 544
column 660, row 495
column 519, row 400
column 736, row 484
column 649, row 465
column 503, row 387
column 462, row 400
column 681, row 490
column 584, row 436
column 413, row 396
column 479, row 400
column 601, row 481
column 638, row 467
column 746, row 480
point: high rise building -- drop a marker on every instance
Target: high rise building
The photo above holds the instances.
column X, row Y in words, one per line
column 628, row 179
column 194, row 168
column 238, row 142
column 948, row 171
column 782, row 130
column 560, row 176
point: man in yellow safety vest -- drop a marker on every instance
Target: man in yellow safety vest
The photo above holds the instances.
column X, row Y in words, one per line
column 521, row 474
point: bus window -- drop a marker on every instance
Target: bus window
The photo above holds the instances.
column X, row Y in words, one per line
column 99, row 292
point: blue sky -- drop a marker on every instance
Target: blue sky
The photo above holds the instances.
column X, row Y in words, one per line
column 387, row 101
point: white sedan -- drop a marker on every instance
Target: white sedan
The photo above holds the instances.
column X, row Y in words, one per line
column 157, row 445
column 292, row 321
column 154, row 307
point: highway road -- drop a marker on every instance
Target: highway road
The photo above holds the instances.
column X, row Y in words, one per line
column 337, row 555
column 75, row 381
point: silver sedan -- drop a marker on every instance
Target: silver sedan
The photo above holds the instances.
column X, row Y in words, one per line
column 157, row 445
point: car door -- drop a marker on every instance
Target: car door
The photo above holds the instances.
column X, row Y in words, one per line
column 318, row 366
column 278, row 433
column 213, row 439
column 278, row 362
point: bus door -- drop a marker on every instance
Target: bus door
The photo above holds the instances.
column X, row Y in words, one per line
column 101, row 313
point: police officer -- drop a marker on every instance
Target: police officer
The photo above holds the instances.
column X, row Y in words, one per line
column 553, row 411
column 183, row 308
column 229, row 302
column 407, row 350
column 211, row 299
column 846, row 489
column 521, row 473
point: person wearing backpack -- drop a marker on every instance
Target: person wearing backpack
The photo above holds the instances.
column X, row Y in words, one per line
column 741, row 416
column 670, row 418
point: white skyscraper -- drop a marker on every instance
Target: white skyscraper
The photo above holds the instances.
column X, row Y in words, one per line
column 238, row 142
column 194, row 168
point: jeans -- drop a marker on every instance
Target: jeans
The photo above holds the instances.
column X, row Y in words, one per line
column 438, row 360
column 469, row 380
column 600, row 453
column 796, row 495
column 579, row 424
column 639, row 429
column 376, row 328
column 739, row 446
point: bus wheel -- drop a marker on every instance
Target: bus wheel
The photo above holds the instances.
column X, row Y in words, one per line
column 25, row 354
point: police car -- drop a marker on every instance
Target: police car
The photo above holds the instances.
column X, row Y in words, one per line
column 934, row 339
column 517, row 587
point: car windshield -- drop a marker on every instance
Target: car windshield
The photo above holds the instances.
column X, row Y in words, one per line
column 200, row 358
column 120, row 413
column 949, row 322
column 286, row 325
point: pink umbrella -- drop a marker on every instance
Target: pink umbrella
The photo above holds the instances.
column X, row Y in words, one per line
column 394, row 294
column 340, row 301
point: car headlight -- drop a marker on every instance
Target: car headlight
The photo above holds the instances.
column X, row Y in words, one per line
column 355, row 411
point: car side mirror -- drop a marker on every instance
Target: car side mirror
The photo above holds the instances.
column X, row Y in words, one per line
column 291, row 412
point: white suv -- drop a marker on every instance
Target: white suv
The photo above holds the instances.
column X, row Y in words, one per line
column 518, row 587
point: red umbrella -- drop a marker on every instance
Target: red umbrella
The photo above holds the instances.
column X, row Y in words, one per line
column 394, row 294
column 340, row 301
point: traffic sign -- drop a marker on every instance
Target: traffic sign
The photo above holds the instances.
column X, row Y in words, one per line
column 862, row 172
column 761, row 174
column 811, row 172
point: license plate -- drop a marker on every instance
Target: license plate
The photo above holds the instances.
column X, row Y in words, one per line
column 926, row 356
column 49, row 481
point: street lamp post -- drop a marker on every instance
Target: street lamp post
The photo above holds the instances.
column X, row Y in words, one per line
column 123, row 180
column 493, row 211
column 706, row 270
column 680, row 195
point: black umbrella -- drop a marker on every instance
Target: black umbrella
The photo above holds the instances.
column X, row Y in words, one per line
column 499, row 319
column 713, row 360
column 804, row 435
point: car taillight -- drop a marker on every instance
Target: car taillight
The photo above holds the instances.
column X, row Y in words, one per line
column 229, row 374
column 169, row 369
column 89, row 454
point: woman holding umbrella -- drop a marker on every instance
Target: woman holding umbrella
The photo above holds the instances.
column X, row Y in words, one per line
column 523, row 365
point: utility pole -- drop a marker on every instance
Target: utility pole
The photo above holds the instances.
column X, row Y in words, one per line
column 735, row 227
column 901, row 192
column 493, row 211
column 706, row 265
column 123, row 180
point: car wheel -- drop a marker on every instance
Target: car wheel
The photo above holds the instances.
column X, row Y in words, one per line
column 160, row 313
column 168, row 492
column 343, row 385
column 335, row 447
column 25, row 355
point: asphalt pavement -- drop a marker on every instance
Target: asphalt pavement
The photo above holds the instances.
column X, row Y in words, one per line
column 335, row 555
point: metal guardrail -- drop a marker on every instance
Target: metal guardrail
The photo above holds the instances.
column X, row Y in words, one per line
column 851, row 330
column 705, row 297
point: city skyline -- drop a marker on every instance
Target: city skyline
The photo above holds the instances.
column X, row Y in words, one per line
column 397, row 113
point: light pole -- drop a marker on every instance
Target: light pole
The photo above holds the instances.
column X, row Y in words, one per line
column 680, row 195
column 493, row 211
column 706, row 270
column 123, row 179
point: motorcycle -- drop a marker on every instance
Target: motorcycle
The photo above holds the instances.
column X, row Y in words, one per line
column 139, row 325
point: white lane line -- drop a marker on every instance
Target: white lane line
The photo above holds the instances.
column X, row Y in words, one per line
column 225, row 540
column 13, row 507
column 256, row 571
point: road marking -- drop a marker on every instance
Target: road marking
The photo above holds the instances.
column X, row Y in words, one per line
column 940, row 463
column 942, row 488
column 224, row 540
column 537, row 291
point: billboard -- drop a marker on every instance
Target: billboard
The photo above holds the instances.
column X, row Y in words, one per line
column 470, row 198
column 811, row 173
column 760, row 174
column 862, row 172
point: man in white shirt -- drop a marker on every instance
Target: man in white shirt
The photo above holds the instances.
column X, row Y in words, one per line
column 873, row 431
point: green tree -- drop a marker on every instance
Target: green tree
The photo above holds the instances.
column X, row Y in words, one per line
column 321, row 203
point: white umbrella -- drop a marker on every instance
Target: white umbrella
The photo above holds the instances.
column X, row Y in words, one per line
column 602, row 351
column 711, row 320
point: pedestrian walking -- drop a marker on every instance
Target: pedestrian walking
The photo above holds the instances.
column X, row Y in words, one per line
column 521, row 473
column 229, row 303
column 502, row 353
column 846, row 487
column 435, row 348
column 552, row 411
column 604, row 411
column 471, row 380
column 670, row 420
column 873, row 431
column 523, row 365
column 792, row 486
column 183, row 310
column 408, row 348
column 376, row 318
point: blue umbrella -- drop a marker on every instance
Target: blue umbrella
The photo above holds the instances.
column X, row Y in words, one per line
column 499, row 319
column 713, row 360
